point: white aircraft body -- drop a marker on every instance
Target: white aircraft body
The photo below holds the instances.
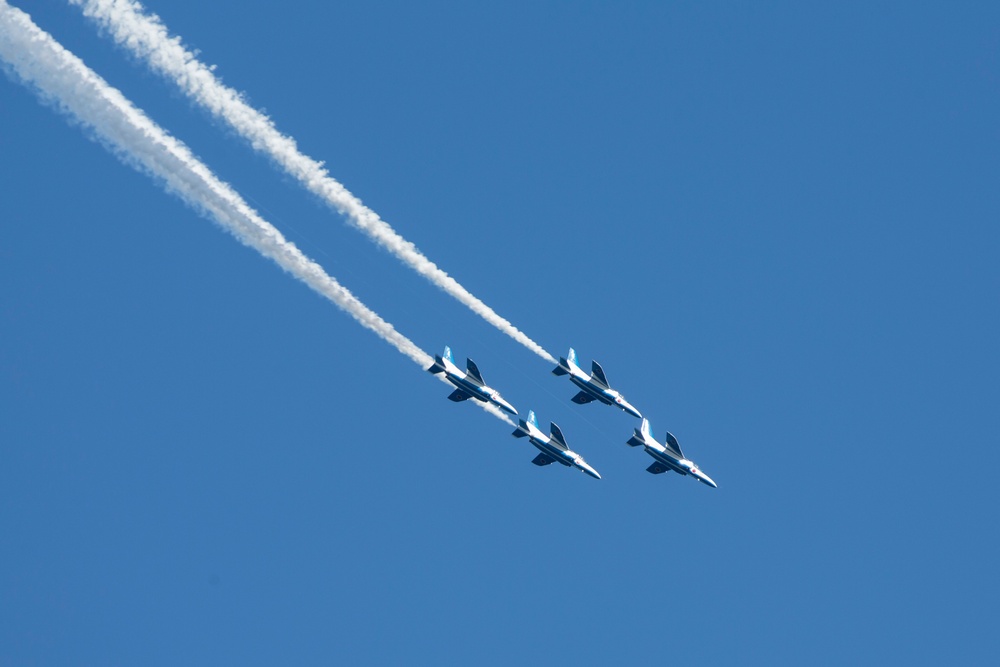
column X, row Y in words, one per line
column 469, row 384
column 553, row 447
column 668, row 456
column 593, row 387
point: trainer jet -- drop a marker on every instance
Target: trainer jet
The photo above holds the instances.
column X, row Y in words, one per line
column 470, row 384
column 667, row 457
column 553, row 447
column 593, row 387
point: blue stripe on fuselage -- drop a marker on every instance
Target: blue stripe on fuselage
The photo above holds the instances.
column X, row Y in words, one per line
column 551, row 451
column 592, row 390
column 478, row 392
column 667, row 460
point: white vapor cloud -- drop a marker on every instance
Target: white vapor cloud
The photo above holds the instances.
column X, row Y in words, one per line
column 146, row 37
column 60, row 78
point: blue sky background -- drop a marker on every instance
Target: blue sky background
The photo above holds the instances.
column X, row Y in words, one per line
column 775, row 226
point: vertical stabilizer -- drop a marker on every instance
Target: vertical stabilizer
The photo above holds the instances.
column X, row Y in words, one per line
column 567, row 366
column 531, row 418
column 447, row 354
column 640, row 436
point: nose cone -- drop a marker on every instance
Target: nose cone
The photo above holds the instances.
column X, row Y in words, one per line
column 627, row 407
column 589, row 470
column 504, row 405
column 705, row 479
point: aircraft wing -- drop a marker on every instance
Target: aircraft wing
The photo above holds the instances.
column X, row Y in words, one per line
column 656, row 468
column 458, row 395
column 598, row 376
column 474, row 373
column 583, row 398
column 673, row 444
column 542, row 460
column 557, row 438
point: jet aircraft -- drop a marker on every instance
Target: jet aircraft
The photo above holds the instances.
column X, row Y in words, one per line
column 553, row 447
column 593, row 387
column 667, row 457
column 470, row 383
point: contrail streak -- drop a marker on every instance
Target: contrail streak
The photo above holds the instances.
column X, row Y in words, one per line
column 146, row 37
column 59, row 77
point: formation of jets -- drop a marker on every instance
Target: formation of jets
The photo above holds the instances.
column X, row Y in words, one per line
column 553, row 447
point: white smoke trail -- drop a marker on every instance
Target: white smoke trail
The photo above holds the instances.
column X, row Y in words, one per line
column 146, row 37
column 59, row 77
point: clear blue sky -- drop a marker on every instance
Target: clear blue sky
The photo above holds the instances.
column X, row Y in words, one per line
column 775, row 226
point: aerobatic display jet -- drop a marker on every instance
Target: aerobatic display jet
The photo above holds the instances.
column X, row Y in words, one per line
column 593, row 387
column 469, row 384
column 668, row 456
column 553, row 447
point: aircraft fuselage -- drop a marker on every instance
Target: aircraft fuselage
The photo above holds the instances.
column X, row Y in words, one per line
column 605, row 395
column 469, row 384
column 682, row 466
column 459, row 379
column 552, row 450
column 544, row 445
column 668, row 457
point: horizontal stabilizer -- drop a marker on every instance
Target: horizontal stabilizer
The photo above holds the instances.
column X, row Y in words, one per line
column 542, row 460
column 583, row 398
column 458, row 395
column 657, row 468
column 598, row 377
column 673, row 444
column 474, row 373
column 636, row 440
column 437, row 366
column 562, row 368
column 557, row 437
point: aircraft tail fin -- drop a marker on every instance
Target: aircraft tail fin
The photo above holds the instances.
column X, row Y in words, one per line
column 437, row 366
column 566, row 366
column 522, row 426
column 640, row 436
